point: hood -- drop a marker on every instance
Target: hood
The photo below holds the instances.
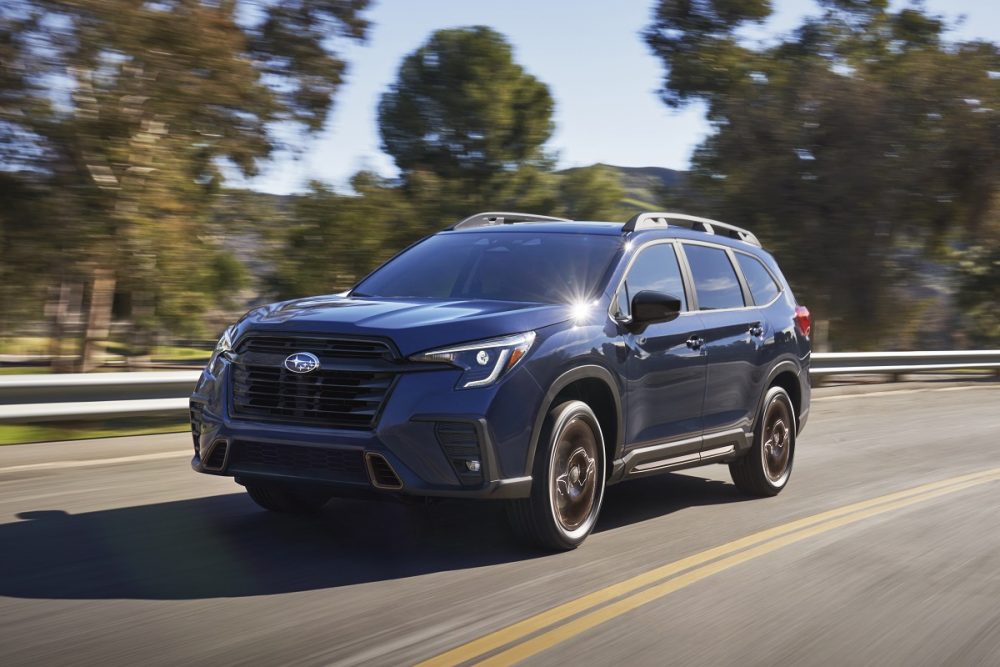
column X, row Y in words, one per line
column 414, row 325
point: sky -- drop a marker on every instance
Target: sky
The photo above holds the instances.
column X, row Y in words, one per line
column 589, row 52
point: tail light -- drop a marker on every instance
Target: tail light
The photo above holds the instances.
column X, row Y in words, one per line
column 803, row 320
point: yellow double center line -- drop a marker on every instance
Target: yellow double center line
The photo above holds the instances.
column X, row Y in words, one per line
column 586, row 612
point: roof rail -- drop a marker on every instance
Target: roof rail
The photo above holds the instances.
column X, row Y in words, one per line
column 502, row 218
column 654, row 220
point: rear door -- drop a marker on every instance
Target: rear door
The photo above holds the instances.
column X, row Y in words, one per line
column 665, row 374
column 765, row 290
column 733, row 334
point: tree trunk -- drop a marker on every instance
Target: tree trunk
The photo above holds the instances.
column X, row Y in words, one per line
column 58, row 313
column 102, row 293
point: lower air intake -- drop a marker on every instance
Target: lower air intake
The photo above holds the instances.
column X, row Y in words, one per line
column 217, row 457
column 381, row 473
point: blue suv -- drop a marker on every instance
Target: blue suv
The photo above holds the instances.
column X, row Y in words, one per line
column 517, row 357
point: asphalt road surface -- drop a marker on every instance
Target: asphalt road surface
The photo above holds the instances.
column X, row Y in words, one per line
column 884, row 549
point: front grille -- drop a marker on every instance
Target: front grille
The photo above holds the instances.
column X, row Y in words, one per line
column 461, row 444
column 341, row 348
column 293, row 460
column 347, row 391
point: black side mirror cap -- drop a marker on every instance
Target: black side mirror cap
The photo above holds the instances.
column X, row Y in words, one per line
column 650, row 307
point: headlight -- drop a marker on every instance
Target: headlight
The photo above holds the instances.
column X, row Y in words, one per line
column 484, row 362
column 225, row 343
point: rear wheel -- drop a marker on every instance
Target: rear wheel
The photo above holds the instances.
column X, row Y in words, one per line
column 765, row 469
column 286, row 499
column 567, row 480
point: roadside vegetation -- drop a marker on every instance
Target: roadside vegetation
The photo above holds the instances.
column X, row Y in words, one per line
column 862, row 147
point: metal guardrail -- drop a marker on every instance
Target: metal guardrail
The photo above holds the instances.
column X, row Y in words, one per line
column 84, row 396
column 44, row 398
column 900, row 363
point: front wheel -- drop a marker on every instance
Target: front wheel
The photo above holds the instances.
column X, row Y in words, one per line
column 765, row 469
column 286, row 499
column 567, row 480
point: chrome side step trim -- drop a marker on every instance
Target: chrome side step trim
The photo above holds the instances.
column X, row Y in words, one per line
column 670, row 444
column 666, row 463
column 718, row 452
column 688, row 459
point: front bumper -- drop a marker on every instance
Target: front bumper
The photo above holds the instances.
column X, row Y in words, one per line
column 419, row 446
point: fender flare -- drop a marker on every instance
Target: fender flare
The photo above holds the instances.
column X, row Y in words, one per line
column 784, row 365
column 588, row 371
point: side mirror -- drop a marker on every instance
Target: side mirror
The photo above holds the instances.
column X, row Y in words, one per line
column 649, row 307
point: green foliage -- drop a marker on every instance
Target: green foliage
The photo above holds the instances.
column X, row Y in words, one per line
column 461, row 109
column 978, row 272
column 334, row 239
column 156, row 101
column 859, row 138
column 591, row 193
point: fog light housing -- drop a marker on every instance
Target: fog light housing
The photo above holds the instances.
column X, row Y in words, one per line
column 473, row 465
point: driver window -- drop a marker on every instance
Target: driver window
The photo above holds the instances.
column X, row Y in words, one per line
column 655, row 269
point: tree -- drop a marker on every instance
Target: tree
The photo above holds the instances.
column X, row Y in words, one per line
column 157, row 101
column 858, row 140
column 461, row 110
column 978, row 283
column 591, row 193
column 334, row 240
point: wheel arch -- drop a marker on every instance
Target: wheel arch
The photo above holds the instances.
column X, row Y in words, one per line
column 595, row 386
column 784, row 374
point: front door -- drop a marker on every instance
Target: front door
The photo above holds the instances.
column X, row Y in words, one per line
column 665, row 365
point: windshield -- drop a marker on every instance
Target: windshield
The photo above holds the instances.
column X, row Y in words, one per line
column 508, row 266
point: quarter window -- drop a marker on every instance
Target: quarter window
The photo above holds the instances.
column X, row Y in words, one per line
column 655, row 269
column 761, row 283
column 715, row 279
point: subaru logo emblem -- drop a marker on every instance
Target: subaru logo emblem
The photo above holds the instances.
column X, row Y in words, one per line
column 302, row 362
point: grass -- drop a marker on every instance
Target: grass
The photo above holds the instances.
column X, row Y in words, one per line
column 24, row 370
column 39, row 346
column 15, row 434
column 175, row 353
column 34, row 345
column 639, row 204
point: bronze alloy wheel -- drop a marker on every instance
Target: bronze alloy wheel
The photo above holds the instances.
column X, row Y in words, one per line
column 776, row 447
column 764, row 470
column 574, row 478
column 567, row 480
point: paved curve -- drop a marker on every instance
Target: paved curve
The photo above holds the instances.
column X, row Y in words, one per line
column 112, row 551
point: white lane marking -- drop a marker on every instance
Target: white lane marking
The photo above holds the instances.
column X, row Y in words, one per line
column 964, row 388
column 60, row 465
column 896, row 392
column 892, row 392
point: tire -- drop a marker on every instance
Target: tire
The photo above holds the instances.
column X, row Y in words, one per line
column 568, row 478
column 286, row 499
column 765, row 469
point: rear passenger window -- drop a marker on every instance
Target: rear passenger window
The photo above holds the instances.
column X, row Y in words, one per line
column 762, row 285
column 655, row 269
column 715, row 279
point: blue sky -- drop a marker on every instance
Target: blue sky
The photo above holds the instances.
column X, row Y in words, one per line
column 589, row 52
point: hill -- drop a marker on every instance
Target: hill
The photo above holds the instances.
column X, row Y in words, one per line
column 644, row 187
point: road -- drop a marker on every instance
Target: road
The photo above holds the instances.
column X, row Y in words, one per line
column 884, row 549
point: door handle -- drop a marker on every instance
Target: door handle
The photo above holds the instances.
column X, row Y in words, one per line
column 695, row 342
column 756, row 329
